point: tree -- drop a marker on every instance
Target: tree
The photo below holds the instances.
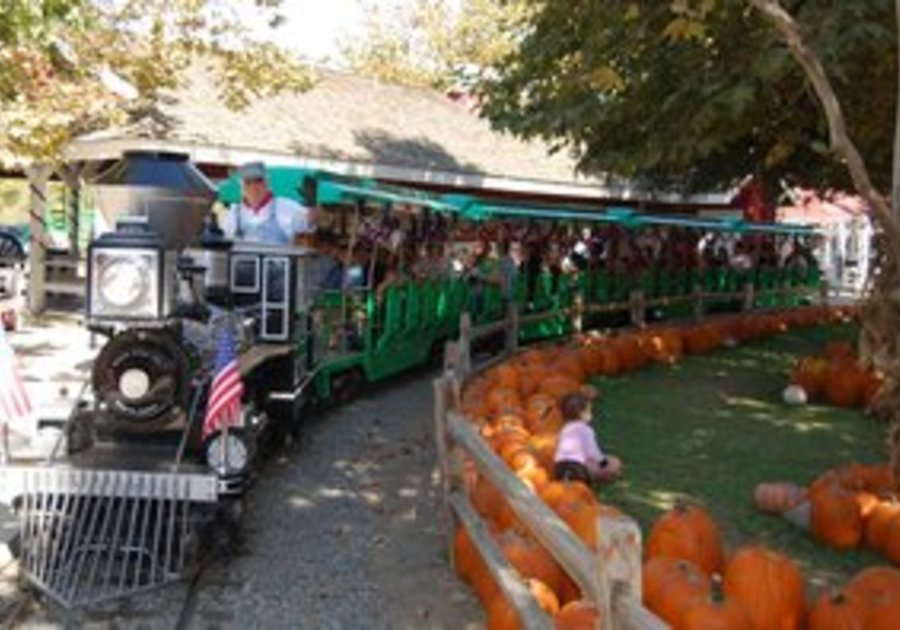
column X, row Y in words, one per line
column 435, row 43
column 830, row 67
column 70, row 66
column 695, row 95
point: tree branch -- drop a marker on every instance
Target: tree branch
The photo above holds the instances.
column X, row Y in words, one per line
column 895, row 176
column 840, row 140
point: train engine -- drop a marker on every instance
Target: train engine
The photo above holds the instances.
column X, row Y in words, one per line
column 119, row 503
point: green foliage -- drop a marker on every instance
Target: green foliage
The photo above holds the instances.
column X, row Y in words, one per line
column 704, row 91
column 70, row 66
column 435, row 42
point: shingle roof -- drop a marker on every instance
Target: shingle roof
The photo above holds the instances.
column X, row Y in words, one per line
column 352, row 118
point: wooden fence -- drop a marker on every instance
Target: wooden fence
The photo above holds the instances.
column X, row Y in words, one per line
column 609, row 578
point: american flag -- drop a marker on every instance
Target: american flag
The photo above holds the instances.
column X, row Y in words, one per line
column 14, row 401
column 223, row 408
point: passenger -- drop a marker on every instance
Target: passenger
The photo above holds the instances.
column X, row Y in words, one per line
column 509, row 271
column 261, row 217
column 329, row 270
column 357, row 275
column 741, row 260
column 578, row 456
column 387, row 275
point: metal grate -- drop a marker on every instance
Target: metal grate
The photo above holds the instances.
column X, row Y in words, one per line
column 89, row 535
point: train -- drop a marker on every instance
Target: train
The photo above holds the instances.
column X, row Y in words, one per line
column 123, row 500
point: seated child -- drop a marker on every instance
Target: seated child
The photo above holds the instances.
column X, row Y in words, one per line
column 578, row 457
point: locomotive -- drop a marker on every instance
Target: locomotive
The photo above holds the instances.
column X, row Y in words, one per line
column 124, row 498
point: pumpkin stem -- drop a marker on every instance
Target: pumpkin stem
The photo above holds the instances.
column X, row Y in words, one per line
column 836, row 595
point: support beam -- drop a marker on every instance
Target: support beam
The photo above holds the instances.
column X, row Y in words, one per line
column 38, row 180
column 72, row 176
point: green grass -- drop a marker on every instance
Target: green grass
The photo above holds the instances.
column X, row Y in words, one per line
column 713, row 427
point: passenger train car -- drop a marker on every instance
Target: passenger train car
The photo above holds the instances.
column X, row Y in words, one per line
column 121, row 502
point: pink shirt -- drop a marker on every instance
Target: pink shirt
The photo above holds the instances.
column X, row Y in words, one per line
column 578, row 443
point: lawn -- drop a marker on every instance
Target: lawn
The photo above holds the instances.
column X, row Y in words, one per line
column 713, row 427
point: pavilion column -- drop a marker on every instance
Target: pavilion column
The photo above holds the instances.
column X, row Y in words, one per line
column 71, row 175
column 38, row 180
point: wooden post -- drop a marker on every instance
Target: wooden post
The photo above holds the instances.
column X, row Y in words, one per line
column 441, row 399
column 38, row 180
column 637, row 307
column 602, row 596
column 464, row 349
column 71, row 175
column 698, row 301
column 578, row 313
column 749, row 296
column 824, row 290
column 512, row 327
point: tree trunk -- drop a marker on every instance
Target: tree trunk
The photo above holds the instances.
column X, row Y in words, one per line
column 880, row 315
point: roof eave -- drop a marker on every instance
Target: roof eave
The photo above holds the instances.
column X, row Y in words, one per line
column 91, row 149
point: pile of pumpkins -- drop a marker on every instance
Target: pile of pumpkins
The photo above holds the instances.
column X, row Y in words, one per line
column 689, row 583
column 836, row 378
column 515, row 406
column 847, row 507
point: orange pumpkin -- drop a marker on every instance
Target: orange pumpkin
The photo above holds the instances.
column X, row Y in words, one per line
column 502, row 400
column 878, row 478
column 775, row 498
column 542, row 414
column 875, row 585
column 892, row 541
column 543, row 445
column 577, row 615
column 875, row 531
column 611, row 366
column 570, row 364
column 559, row 492
column 884, row 616
column 809, row 373
column 465, row 556
column 581, row 517
column 715, row 612
column 843, row 385
column 530, row 559
column 671, row 585
column 559, row 386
column 835, row 517
column 865, row 502
column 688, row 532
column 838, row 350
column 838, row 610
column 505, row 375
column 770, row 587
column 502, row 615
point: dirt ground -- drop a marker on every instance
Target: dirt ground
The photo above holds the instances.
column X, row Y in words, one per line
column 341, row 531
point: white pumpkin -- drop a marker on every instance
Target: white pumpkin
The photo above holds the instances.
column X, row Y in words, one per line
column 794, row 395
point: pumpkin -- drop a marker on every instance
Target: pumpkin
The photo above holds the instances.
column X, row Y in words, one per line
column 838, row 610
column 505, row 375
column 629, row 353
column 670, row 585
column 543, row 445
column 542, row 414
column 570, row 364
column 835, row 517
column 794, row 395
column 878, row 478
column 559, row 386
column 502, row 400
column 875, row 531
column 809, row 373
column 530, row 559
column 577, row 615
column 770, row 587
column 490, row 503
column 884, row 616
column 569, row 591
column 775, row 498
column 865, row 502
column 875, row 585
column 715, row 612
column 559, row 492
column 838, row 350
column 502, row 615
column 534, row 476
column 465, row 556
column 581, row 517
column 687, row 532
column 892, row 541
column 843, row 385
column 611, row 366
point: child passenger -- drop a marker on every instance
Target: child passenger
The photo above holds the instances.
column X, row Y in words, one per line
column 578, row 457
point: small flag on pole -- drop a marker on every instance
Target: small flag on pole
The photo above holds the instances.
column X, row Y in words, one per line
column 14, row 401
column 223, row 407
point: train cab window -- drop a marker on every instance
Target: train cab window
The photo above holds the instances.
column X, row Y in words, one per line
column 275, row 303
column 245, row 274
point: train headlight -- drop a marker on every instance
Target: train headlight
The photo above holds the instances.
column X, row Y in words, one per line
column 125, row 283
column 228, row 453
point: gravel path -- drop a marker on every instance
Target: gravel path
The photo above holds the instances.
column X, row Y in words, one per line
column 342, row 532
